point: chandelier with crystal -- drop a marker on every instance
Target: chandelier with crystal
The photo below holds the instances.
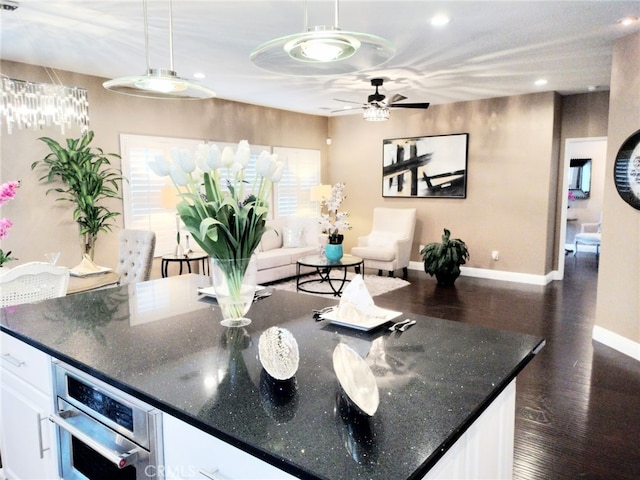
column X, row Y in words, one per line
column 32, row 105
column 376, row 113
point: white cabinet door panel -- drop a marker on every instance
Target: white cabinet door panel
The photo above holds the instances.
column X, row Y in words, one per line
column 28, row 441
column 192, row 453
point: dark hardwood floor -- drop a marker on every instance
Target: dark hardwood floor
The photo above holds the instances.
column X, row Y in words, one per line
column 578, row 401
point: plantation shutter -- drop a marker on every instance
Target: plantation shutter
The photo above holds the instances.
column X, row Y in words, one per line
column 302, row 171
column 148, row 200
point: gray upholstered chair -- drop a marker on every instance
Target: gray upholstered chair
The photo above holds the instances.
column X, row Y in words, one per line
column 32, row 282
column 136, row 255
column 388, row 246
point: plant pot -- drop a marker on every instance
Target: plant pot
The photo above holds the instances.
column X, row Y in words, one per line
column 88, row 244
column 333, row 252
column 446, row 279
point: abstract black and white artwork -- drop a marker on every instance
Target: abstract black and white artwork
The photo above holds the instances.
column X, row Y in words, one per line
column 430, row 166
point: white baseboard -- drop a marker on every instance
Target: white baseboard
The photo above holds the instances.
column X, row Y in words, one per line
column 498, row 274
column 617, row 342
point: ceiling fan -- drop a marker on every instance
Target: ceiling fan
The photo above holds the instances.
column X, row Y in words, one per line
column 377, row 106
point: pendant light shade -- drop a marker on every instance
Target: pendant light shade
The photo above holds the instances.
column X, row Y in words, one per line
column 322, row 50
column 159, row 83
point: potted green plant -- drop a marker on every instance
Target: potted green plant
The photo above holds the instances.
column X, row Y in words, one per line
column 88, row 179
column 444, row 259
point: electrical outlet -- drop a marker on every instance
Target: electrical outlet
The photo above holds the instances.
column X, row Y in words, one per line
column 495, row 255
column 420, row 248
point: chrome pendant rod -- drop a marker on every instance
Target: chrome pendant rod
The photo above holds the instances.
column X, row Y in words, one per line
column 146, row 34
column 171, row 35
column 336, row 21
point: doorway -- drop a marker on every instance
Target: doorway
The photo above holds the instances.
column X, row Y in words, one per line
column 576, row 211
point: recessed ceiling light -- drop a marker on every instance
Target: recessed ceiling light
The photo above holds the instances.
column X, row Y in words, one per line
column 440, row 20
column 626, row 21
column 199, row 75
column 540, row 82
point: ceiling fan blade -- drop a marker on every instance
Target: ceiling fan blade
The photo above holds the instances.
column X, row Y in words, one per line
column 397, row 98
column 347, row 101
column 409, row 105
column 346, row 109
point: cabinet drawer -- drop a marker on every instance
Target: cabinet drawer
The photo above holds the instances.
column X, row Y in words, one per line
column 192, row 453
column 26, row 362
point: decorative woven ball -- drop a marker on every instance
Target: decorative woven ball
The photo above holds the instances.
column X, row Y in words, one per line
column 278, row 352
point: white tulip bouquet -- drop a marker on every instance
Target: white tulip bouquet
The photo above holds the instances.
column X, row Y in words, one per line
column 225, row 213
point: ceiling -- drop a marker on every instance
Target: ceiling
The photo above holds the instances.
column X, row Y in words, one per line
column 489, row 49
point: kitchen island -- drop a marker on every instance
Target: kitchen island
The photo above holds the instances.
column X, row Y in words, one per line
column 161, row 342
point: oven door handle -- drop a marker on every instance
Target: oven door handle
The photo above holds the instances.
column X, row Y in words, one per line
column 119, row 459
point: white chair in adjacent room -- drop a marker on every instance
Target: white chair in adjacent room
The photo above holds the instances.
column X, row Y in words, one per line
column 388, row 246
column 32, row 282
column 135, row 255
column 589, row 235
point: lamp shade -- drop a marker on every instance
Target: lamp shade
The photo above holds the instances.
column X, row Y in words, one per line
column 319, row 193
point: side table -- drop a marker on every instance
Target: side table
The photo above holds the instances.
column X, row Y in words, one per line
column 185, row 259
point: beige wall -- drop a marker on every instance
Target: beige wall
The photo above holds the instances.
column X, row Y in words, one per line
column 618, row 303
column 512, row 174
column 41, row 224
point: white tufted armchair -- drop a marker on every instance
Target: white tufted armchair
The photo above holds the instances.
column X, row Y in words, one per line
column 136, row 255
column 388, row 246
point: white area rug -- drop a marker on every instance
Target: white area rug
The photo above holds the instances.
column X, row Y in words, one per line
column 376, row 285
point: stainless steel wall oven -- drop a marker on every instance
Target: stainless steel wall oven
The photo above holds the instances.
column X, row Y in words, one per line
column 104, row 433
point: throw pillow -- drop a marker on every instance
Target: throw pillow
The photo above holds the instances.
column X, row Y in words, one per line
column 292, row 238
column 271, row 239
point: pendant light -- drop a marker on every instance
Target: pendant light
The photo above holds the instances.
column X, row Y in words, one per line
column 322, row 50
column 159, row 83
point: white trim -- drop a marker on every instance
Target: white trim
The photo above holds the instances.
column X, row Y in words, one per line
column 617, row 342
column 499, row 275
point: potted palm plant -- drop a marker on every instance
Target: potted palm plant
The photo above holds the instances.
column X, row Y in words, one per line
column 444, row 259
column 88, row 179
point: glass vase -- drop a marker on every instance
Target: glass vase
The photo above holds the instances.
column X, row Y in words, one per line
column 234, row 282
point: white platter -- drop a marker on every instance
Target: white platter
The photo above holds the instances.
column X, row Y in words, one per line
column 210, row 291
column 366, row 324
column 356, row 378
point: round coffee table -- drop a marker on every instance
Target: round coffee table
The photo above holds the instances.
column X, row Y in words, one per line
column 323, row 267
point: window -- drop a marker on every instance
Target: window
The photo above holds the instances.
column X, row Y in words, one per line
column 293, row 191
column 148, row 200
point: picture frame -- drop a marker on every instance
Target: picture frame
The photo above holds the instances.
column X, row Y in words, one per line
column 425, row 167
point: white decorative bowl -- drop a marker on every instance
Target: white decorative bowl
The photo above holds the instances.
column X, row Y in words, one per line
column 278, row 352
column 356, row 378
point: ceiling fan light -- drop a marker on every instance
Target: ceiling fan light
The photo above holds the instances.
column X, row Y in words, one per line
column 375, row 113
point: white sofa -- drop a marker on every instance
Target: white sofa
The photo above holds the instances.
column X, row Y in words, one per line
column 287, row 240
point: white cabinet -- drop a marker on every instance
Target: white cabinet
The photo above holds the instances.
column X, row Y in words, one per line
column 485, row 450
column 192, row 453
column 28, row 437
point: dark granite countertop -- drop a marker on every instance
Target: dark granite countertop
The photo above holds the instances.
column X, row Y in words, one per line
column 163, row 343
